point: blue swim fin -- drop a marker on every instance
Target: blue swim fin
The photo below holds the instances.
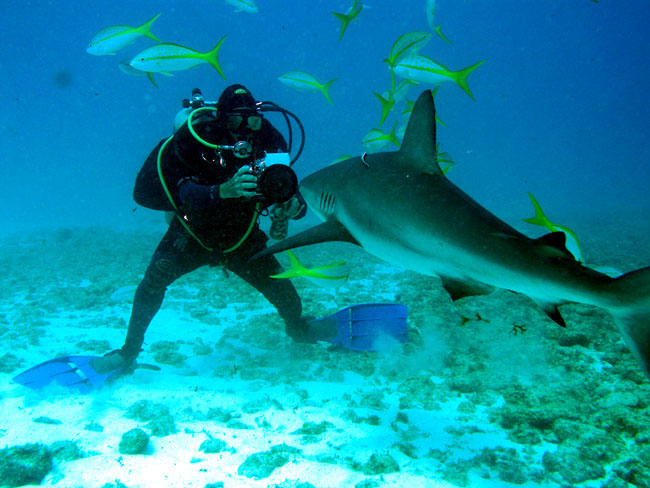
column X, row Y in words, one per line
column 69, row 371
column 359, row 326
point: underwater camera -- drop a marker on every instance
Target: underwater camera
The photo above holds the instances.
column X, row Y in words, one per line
column 276, row 181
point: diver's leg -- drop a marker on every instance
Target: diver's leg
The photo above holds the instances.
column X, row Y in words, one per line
column 281, row 293
column 146, row 302
column 174, row 257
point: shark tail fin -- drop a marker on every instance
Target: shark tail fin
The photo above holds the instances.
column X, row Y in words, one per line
column 212, row 57
column 145, row 29
column 461, row 77
column 632, row 291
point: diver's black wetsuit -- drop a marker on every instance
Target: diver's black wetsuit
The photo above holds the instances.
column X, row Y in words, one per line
column 193, row 174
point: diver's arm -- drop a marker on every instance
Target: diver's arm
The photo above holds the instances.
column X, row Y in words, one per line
column 194, row 196
column 198, row 197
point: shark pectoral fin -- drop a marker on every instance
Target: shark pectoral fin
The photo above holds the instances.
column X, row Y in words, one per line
column 330, row 231
column 554, row 314
column 551, row 311
column 458, row 289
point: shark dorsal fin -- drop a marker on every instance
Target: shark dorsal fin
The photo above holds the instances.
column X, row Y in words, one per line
column 418, row 149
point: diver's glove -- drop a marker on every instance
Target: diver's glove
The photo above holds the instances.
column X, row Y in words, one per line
column 281, row 213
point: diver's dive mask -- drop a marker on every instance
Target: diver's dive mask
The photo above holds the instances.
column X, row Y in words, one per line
column 246, row 118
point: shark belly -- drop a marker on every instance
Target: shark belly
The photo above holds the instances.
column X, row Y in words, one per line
column 476, row 248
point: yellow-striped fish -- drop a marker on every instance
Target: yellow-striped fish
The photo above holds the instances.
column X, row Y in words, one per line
column 342, row 157
column 330, row 275
column 111, row 39
column 425, row 70
column 163, row 58
column 571, row 239
column 376, row 139
column 351, row 14
column 244, row 6
column 406, row 45
column 389, row 98
column 125, row 67
column 306, row 82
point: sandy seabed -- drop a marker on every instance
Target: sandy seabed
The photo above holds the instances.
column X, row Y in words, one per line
column 488, row 393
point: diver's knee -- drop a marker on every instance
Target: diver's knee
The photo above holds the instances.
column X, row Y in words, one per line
column 158, row 276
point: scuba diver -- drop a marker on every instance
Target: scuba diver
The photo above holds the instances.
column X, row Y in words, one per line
column 215, row 175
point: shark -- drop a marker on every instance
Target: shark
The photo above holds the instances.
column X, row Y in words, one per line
column 401, row 208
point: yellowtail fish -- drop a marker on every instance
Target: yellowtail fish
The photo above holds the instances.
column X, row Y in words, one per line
column 377, row 139
column 125, row 67
column 163, row 58
column 444, row 160
column 342, row 157
column 352, row 13
column 571, row 239
column 387, row 104
column 330, row 275
column 425, row 70
column 111, row 39
column 389, row 98
column 306, row 82
column 244, row 6
column 406, row 45
column 124, row 293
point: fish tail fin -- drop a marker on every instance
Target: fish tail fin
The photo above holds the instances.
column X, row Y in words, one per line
column 319, row 274
column 145, row 29
column 461, row 77
column 386, row 106
column 345, row 21
column 295, row 270
column 212, row 57
column 632, row 313
column 325, row 89
column 539, row 218
column 392, row 135
column 295, row 264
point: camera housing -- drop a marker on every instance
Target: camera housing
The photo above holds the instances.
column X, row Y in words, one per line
column 276, row 182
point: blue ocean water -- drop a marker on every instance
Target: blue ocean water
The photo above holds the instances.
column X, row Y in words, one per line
column 487, row 394
column 561, row 102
